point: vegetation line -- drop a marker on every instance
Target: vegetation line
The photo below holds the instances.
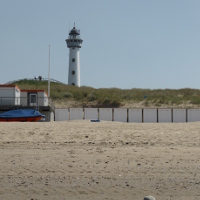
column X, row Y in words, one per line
column 114, row 97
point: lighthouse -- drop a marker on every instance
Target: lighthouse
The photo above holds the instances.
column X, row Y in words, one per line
column 74, row 43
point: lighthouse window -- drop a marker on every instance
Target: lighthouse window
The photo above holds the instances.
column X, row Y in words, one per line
column 73, row 59
column 73, row 72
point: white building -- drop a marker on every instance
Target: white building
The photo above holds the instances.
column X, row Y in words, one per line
column 9, row 95
column 34, row 98
column 74, row 42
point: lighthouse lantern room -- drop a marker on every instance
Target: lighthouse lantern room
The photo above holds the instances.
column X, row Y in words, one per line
column 74, row 42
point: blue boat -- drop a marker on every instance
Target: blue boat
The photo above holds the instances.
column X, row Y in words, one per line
column 23, row 115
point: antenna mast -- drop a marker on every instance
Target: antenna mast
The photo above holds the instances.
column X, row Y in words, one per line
column 49, row 74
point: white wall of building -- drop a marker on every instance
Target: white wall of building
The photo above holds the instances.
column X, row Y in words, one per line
column 9, row 96
column 76, row 113
column 42, row 99
column 120, row 115
column 179, row 115
column 150, row 115
column 46, row 100
column 164, row 115
column 193, row 115
column 105, row 114
column 91, row 113
column 61, row 114
column 17, row 96
column 135, row 115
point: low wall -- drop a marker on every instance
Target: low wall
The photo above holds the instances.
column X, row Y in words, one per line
column 131, row 115
column 76, row 113
column 193, row 115
column 61, row 114
column 135, row 115
column 150, row 115
column 164, row 115
column 105, row 114
column 179, row 115
column 91, row 113
column 120, row 115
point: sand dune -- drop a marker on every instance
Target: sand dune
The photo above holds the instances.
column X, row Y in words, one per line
column 106, row 160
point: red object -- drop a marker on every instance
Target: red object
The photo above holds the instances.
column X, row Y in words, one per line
column 21, row 119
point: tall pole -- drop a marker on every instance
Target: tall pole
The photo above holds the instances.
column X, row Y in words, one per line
column 49, row 74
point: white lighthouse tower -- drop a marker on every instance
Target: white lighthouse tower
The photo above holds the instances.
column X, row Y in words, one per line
column 74, row 42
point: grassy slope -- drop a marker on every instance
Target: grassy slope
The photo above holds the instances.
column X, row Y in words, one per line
column 64, row 95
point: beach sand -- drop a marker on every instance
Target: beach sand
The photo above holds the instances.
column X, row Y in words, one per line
column 95, row 161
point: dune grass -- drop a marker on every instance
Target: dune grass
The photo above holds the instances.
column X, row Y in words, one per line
column 114, row 97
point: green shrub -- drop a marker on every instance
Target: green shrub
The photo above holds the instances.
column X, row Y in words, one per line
column 68, row 95
column 92, row 96
column 106, row 101
column 113, row 97
column 78, row 96
column 195, row 101
column 116, row 103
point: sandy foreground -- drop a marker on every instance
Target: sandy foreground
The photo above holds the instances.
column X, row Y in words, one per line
column 106, row 160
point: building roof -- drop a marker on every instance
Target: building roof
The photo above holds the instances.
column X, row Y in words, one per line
column 9, row 85
column 34, row 91
column 15, row 86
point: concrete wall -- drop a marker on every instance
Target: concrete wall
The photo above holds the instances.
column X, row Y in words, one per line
column 135, row 115
column 91, row 113
column 150, row 115
column 193, row 115
column 76, row 113
column 164, row 115
column 105, row 114
column 49, row 115
column 120, row 115
column 61, row 114
column 179, row 115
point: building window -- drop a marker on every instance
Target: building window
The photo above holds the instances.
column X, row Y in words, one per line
column 73, row 72
column 73, row 59
column 73, row 83
column 33, row 98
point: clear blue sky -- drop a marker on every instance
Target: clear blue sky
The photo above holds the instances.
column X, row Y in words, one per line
column 126, row 43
